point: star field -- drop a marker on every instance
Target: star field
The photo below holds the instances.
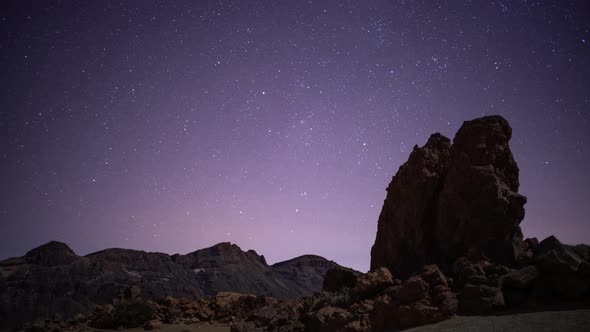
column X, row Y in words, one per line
column 276, row 125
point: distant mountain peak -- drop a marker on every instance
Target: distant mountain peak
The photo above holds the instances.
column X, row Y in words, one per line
column 51, row 254
column 306, row 260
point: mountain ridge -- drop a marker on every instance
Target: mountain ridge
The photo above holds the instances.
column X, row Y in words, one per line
column 52, row 279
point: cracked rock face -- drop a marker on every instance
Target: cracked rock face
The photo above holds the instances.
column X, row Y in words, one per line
column 406, row 225
column 448, row 201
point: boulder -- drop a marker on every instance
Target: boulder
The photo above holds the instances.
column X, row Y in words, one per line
column 328, row 319
column 232, row 303
column 371, row 283
column 416, row 314
column 517, row 286
column 272, row 315
column 433, row 276
column 337, row 278
column 153, row 324
column 464, row 271
column 562, row 271
column 103, row 317
column 445, row 299
column 414, row 289
column 520, row 279
column 480, row 299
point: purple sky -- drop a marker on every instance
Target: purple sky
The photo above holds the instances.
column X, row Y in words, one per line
column 276, row 125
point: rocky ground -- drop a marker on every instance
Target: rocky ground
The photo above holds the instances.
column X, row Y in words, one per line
column 169, row 328
column 448, row 243
column 547, row 321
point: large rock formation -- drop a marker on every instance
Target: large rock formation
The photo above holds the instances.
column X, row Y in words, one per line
column 52, row 280
column 479, row 207
column 450, row 200
column 406, row 225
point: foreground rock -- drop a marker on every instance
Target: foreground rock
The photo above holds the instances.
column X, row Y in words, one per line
column 448, row 199
column 405, row 235
column 52, row 281
column 378, row 301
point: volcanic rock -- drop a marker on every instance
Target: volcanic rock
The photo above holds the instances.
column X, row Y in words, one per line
column 517, row 286
column 562, row 272
column 371, row 283
column 521, row 279
column 433, row 275
column 153, row 324
column 447, row 201
column 479, row 206
column 337, row 278
column 413, row 289
column 328, row 319
column 406, row 224
column 52, row 279
column 416, row 314
column 480, row 299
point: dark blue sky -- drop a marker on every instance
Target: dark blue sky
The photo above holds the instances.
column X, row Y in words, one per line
column 276, row 125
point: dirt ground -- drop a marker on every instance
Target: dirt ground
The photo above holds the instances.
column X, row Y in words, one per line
column 181, row 328
column 546, row 321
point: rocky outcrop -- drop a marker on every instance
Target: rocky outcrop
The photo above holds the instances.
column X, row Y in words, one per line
column 52, row 280
column 378, row 301
column 479, row 207
column 563, row 274
column 405, row 235
column 337, row 278
column 448, row 200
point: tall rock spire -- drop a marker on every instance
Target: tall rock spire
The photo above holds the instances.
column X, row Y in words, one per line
column 446, row 201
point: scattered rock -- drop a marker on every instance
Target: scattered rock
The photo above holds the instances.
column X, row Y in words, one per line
column 445, row 299
column 103, row 318
column 433, row 276
column 328, row 319
column 561, row 271
column 464, row 271
column 480, row 299
column 414, row 289
column 517, row 286
column 153, row 324
column 520, row 279
column 371, row 283
column 337, row 278
column 416, row 314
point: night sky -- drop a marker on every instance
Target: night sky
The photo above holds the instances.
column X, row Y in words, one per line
column 275, row 125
